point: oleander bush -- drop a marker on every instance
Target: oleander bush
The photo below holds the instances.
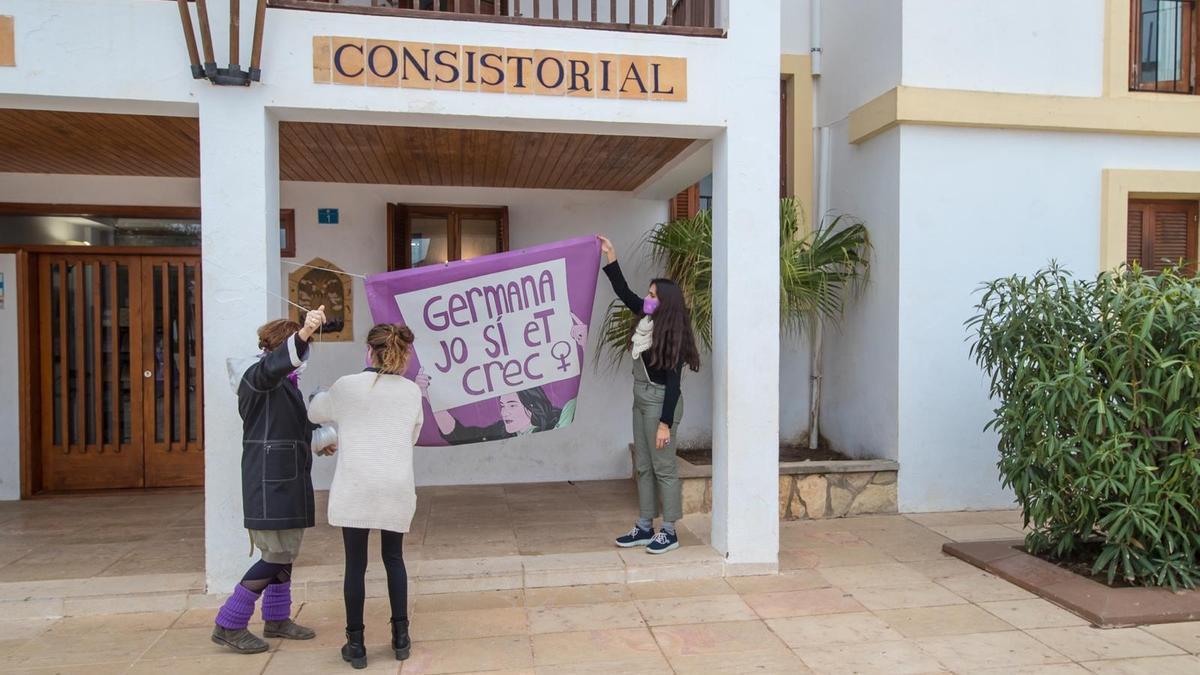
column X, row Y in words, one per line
column 1097, row 385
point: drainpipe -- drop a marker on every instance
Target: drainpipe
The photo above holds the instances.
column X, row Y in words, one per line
column 821, row 142
column 814, row 29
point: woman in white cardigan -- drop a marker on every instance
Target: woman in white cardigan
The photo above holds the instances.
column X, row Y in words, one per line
column 378, row 418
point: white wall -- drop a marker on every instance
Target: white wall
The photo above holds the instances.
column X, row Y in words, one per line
column 10, row 420
column 795, row 24
column 859, row 403
column 593, row 449
column 1018, row 46
column 860, row 55
column 976, row 205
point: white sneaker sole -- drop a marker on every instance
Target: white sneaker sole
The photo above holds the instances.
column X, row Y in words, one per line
column 661, row 551
column 633, row 544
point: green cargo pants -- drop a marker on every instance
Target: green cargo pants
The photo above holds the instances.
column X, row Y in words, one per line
column 657, row 470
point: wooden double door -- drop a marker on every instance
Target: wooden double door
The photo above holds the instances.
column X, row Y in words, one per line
column 121, row 379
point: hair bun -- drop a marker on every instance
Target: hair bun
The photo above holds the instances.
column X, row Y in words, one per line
column 405, row 333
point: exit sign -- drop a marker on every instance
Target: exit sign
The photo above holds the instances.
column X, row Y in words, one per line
column 327, row 216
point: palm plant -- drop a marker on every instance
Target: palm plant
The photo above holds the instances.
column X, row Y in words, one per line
column 818, row 270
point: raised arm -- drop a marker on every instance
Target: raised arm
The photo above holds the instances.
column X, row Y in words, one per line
column 270, row 370
column 615, row 277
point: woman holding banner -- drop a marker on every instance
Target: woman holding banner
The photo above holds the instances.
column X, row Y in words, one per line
column 378, row 415
column 277, row 491
column 661, row 344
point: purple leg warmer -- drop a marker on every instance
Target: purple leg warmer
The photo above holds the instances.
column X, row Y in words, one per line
column 236, row 612
column 277, row 602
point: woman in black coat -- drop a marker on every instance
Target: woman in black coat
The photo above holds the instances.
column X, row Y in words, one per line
column 277, row 492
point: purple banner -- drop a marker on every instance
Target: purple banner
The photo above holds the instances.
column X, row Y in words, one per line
column 500, row 339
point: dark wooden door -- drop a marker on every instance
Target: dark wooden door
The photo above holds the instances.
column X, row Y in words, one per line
column 113, row 414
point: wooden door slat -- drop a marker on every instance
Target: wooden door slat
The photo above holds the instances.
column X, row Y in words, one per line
column 97, row 361
column 180, row 353
column 168, row 418
column 114, row 328
column 80, row 382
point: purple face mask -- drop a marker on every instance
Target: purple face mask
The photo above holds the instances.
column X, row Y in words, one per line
column 368, row 360
column 649, row 304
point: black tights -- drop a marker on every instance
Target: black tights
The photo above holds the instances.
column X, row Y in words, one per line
column 262, row 574
column 354, row 584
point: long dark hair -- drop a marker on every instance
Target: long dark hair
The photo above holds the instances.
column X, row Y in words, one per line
column 673, row 341
column 542, row 413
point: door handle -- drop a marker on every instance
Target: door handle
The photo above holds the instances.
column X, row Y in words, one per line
column 147, row 374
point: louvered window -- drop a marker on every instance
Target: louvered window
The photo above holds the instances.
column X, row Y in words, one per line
column 1162, row 233
column 685, row 204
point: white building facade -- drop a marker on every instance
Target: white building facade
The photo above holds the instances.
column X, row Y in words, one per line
column 975, row 139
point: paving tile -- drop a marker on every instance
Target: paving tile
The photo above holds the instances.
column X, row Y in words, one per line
column 579, row 618
column 944, row 567
column 1035, row 613
column 843, row 555
column 697, row 609
column 212, row 664
column 597, row 646
column 649, row 664
column 979, row 651
column 872, row 576
column 1084, row 643
column 940, row 519
column 1051, row 669
column 472, row 623
column 451, row 602
column 802, row 603
column 577, row 595
column 744, row 663
column 933, row 621
column 456, row 656
column 1155, row 665
column 899, row 657
column 88, row 669
column 380, row 659
column 981, row 532
column 923, row 594
column 704, row 639
column 24, row 629
column 75, row 648
column 983, row 587
column 651, row 590
column 1186, row 636
column 799, row 632
column 798, row 580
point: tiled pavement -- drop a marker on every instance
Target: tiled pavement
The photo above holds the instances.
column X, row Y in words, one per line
column 871, row 594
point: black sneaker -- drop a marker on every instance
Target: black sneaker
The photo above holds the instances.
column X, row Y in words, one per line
column 636, row 537
column 662, row 542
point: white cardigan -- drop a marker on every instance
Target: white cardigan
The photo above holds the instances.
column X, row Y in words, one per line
column 378, row 419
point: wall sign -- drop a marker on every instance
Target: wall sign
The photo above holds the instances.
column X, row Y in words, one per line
column 320, row 282
column 327, row 216
column 497, row 70
column 8, row 50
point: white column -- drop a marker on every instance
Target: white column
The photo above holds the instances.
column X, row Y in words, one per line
column 745, row 359
column 239, row 199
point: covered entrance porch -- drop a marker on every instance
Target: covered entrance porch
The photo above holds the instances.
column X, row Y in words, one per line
column 556, row 180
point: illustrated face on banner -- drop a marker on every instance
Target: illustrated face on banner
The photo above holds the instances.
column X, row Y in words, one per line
column 500, row 339
column 515, row 415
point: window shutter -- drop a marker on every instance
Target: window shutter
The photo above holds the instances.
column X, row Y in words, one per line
column 1162, row 233
column 1171, row 238
column 1133, row 235
column 686, row 204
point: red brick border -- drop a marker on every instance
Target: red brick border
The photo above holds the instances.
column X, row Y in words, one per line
column 1103, row 606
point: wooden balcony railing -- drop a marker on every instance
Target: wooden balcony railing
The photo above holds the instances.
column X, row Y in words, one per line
column 678, row 17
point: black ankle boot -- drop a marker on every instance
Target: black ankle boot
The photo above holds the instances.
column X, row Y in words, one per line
column 400, row 642
column 354, row 651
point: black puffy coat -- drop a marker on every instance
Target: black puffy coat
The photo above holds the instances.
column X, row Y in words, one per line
column 277, row 491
